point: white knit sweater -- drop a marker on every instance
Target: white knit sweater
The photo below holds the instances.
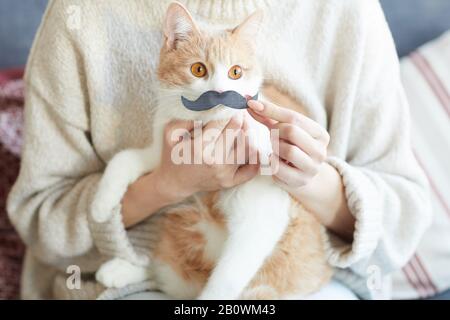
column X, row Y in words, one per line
column 90, row 80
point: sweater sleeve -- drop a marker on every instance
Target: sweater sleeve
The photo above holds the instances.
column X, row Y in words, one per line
column 386, row 190
column 60, row 170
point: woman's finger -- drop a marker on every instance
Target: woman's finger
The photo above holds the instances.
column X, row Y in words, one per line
column 218, row 143
column 296, row 157
column 265, row 121
column 272, row 111
column 245, row 173
column 232, row 132
column 218, row 137
column 291, row 176
column 177, row 130
column 237, row 151
column 300, row 138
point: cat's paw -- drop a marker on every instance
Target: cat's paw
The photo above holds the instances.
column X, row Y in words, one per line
column 118, row 273
column 121, row 171
column 105, row 201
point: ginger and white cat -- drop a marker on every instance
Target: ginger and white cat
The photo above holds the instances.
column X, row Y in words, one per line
column 252, row 241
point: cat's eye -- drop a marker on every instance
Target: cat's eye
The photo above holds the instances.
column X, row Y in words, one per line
column 198, row 69
column 235, row 72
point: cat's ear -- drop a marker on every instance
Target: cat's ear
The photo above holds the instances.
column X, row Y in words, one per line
column 250, row 27
column 178, row 25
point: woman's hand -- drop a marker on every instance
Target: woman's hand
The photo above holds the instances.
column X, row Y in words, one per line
column 301, row 147
column 299, row 165
column 212, row 166
column 213, row 162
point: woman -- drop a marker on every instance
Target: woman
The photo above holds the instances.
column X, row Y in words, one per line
column 89, row 95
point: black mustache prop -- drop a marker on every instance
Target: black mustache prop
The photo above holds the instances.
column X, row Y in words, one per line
column 211, row 99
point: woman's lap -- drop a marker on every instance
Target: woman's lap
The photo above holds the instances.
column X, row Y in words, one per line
column 333, row 291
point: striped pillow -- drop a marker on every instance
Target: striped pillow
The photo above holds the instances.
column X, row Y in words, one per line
column 426, row 78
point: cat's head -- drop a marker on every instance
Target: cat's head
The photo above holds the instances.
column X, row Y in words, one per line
column 194, row 61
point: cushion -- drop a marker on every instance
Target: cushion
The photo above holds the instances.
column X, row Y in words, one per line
column 11, row 109
column 426, row 78
column 410, row 30
column 19, row 21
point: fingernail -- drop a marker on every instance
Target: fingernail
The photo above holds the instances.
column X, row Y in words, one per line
column 256, row 105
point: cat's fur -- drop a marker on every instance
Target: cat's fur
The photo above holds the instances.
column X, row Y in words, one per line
column 252, row 241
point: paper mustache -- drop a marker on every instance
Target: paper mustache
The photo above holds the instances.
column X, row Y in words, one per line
column 211, row 99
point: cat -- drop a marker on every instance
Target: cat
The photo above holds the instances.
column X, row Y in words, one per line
column 252, row 241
